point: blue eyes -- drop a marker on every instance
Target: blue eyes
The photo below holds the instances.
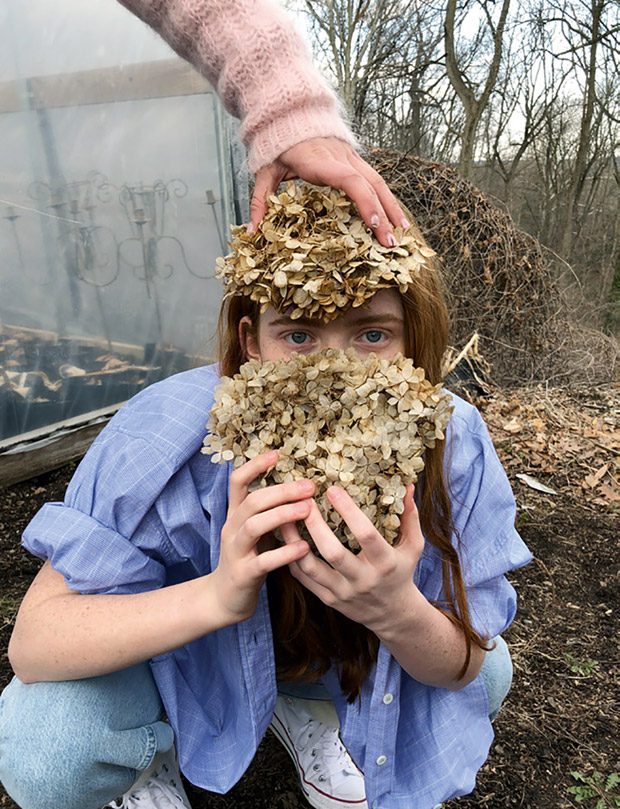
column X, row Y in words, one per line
column 300, row 338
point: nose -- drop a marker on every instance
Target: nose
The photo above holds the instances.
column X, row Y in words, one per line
column 337, row 341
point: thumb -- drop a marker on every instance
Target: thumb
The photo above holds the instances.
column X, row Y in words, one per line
column 267, row 180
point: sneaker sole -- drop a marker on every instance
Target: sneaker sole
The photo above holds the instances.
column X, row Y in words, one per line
column 315, row 796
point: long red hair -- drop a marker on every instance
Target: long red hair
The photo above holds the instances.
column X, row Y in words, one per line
column 310, row 637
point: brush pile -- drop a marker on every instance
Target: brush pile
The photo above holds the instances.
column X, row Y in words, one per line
column 499, row 279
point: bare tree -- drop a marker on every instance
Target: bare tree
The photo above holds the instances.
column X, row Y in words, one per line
column 362, row 41
column 583, row 32
column 474, row 93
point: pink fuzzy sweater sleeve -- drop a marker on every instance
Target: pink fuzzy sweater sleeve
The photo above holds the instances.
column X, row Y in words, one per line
column 259, row 64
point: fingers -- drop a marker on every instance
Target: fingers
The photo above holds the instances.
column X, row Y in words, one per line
column 328, row 545
column 387, row 200
column 310, row 581
column 279, row 557
column 411, row 537
column 361, row 192
column 241, row 478
column 312, row 570
column 290, row 533
column 268, row 498
column 267, row 181
column 331, row 161
column 375, row 548
column 243, row 541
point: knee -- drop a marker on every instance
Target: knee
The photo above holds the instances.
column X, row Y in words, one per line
column 78, row 744
column 496, row 673
column 44, row 760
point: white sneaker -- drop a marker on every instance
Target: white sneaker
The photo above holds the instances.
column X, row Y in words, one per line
column 159, row 787
column 328, row 776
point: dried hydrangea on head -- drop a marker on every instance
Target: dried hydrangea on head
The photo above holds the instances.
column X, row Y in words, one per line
column 362, row 422
column 313, row 256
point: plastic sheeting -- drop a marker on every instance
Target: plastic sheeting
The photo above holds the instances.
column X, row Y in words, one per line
column 115, row 199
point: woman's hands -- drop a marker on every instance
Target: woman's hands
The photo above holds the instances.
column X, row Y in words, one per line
column 242, row 566
column 331, row 161
column 370, row 587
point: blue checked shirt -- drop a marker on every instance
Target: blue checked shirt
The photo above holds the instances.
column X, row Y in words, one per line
column 145, row 509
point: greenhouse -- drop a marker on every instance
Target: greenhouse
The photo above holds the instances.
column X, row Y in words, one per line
column 117, row 191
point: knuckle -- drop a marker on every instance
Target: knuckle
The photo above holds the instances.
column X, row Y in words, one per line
column 253, row 501
column 237, row 477
column 262, row 567
column 378, row 183
column 289, row 491
column 367, row 535
column 337, row 557
column 257, row 203
column 329, row 599
column 308, row 566
column 250, row 527
column 388, row 568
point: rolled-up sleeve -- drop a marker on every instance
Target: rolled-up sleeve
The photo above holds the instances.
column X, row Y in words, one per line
column 484, row 511
column 95, row 538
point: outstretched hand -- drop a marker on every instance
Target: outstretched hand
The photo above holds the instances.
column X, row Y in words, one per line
column 331, row 161
column 368, row 587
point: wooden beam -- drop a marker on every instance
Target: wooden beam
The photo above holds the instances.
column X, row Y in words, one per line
column 108, row 85
column 31, row 454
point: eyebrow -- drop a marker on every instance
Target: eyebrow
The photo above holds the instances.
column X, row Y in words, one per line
column 362, row 320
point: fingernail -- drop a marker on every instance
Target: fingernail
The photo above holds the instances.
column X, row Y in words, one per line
column 405, row 223
column 391, row 240
column 249, row 228
column 374, row 221
column 306, row 486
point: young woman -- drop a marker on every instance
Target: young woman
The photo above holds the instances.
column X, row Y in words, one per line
column 159, row 555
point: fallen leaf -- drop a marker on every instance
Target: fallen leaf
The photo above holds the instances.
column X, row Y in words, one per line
column 535, row 484
column 592, row 480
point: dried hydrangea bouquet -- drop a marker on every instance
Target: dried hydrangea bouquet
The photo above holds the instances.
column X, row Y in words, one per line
column 335, row 417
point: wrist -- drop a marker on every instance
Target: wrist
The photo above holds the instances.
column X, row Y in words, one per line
column 295, row 126
column 406, row 615
column 226, row 603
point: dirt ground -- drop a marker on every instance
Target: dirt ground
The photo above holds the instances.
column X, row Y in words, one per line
column 559, row 729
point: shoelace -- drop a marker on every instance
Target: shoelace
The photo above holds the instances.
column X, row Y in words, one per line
column 326, row 740
column 153, row 793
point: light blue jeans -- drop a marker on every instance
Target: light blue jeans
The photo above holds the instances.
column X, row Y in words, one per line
column 79, row 744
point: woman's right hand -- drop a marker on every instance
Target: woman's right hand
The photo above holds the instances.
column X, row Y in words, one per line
column 242, row 568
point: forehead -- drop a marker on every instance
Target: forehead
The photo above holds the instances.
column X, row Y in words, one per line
column 386, row 303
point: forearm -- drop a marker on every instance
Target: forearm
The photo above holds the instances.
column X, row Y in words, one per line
column 71, row 636
column 428, row 645
column 261, row 68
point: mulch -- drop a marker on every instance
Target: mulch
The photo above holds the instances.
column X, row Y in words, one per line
column 559, row 727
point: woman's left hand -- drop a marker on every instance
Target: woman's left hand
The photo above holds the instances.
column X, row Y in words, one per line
column 368, row 587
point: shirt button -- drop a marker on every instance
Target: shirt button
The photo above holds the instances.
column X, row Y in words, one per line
column 381, row 760
column 374, row 805
column 388, row 698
